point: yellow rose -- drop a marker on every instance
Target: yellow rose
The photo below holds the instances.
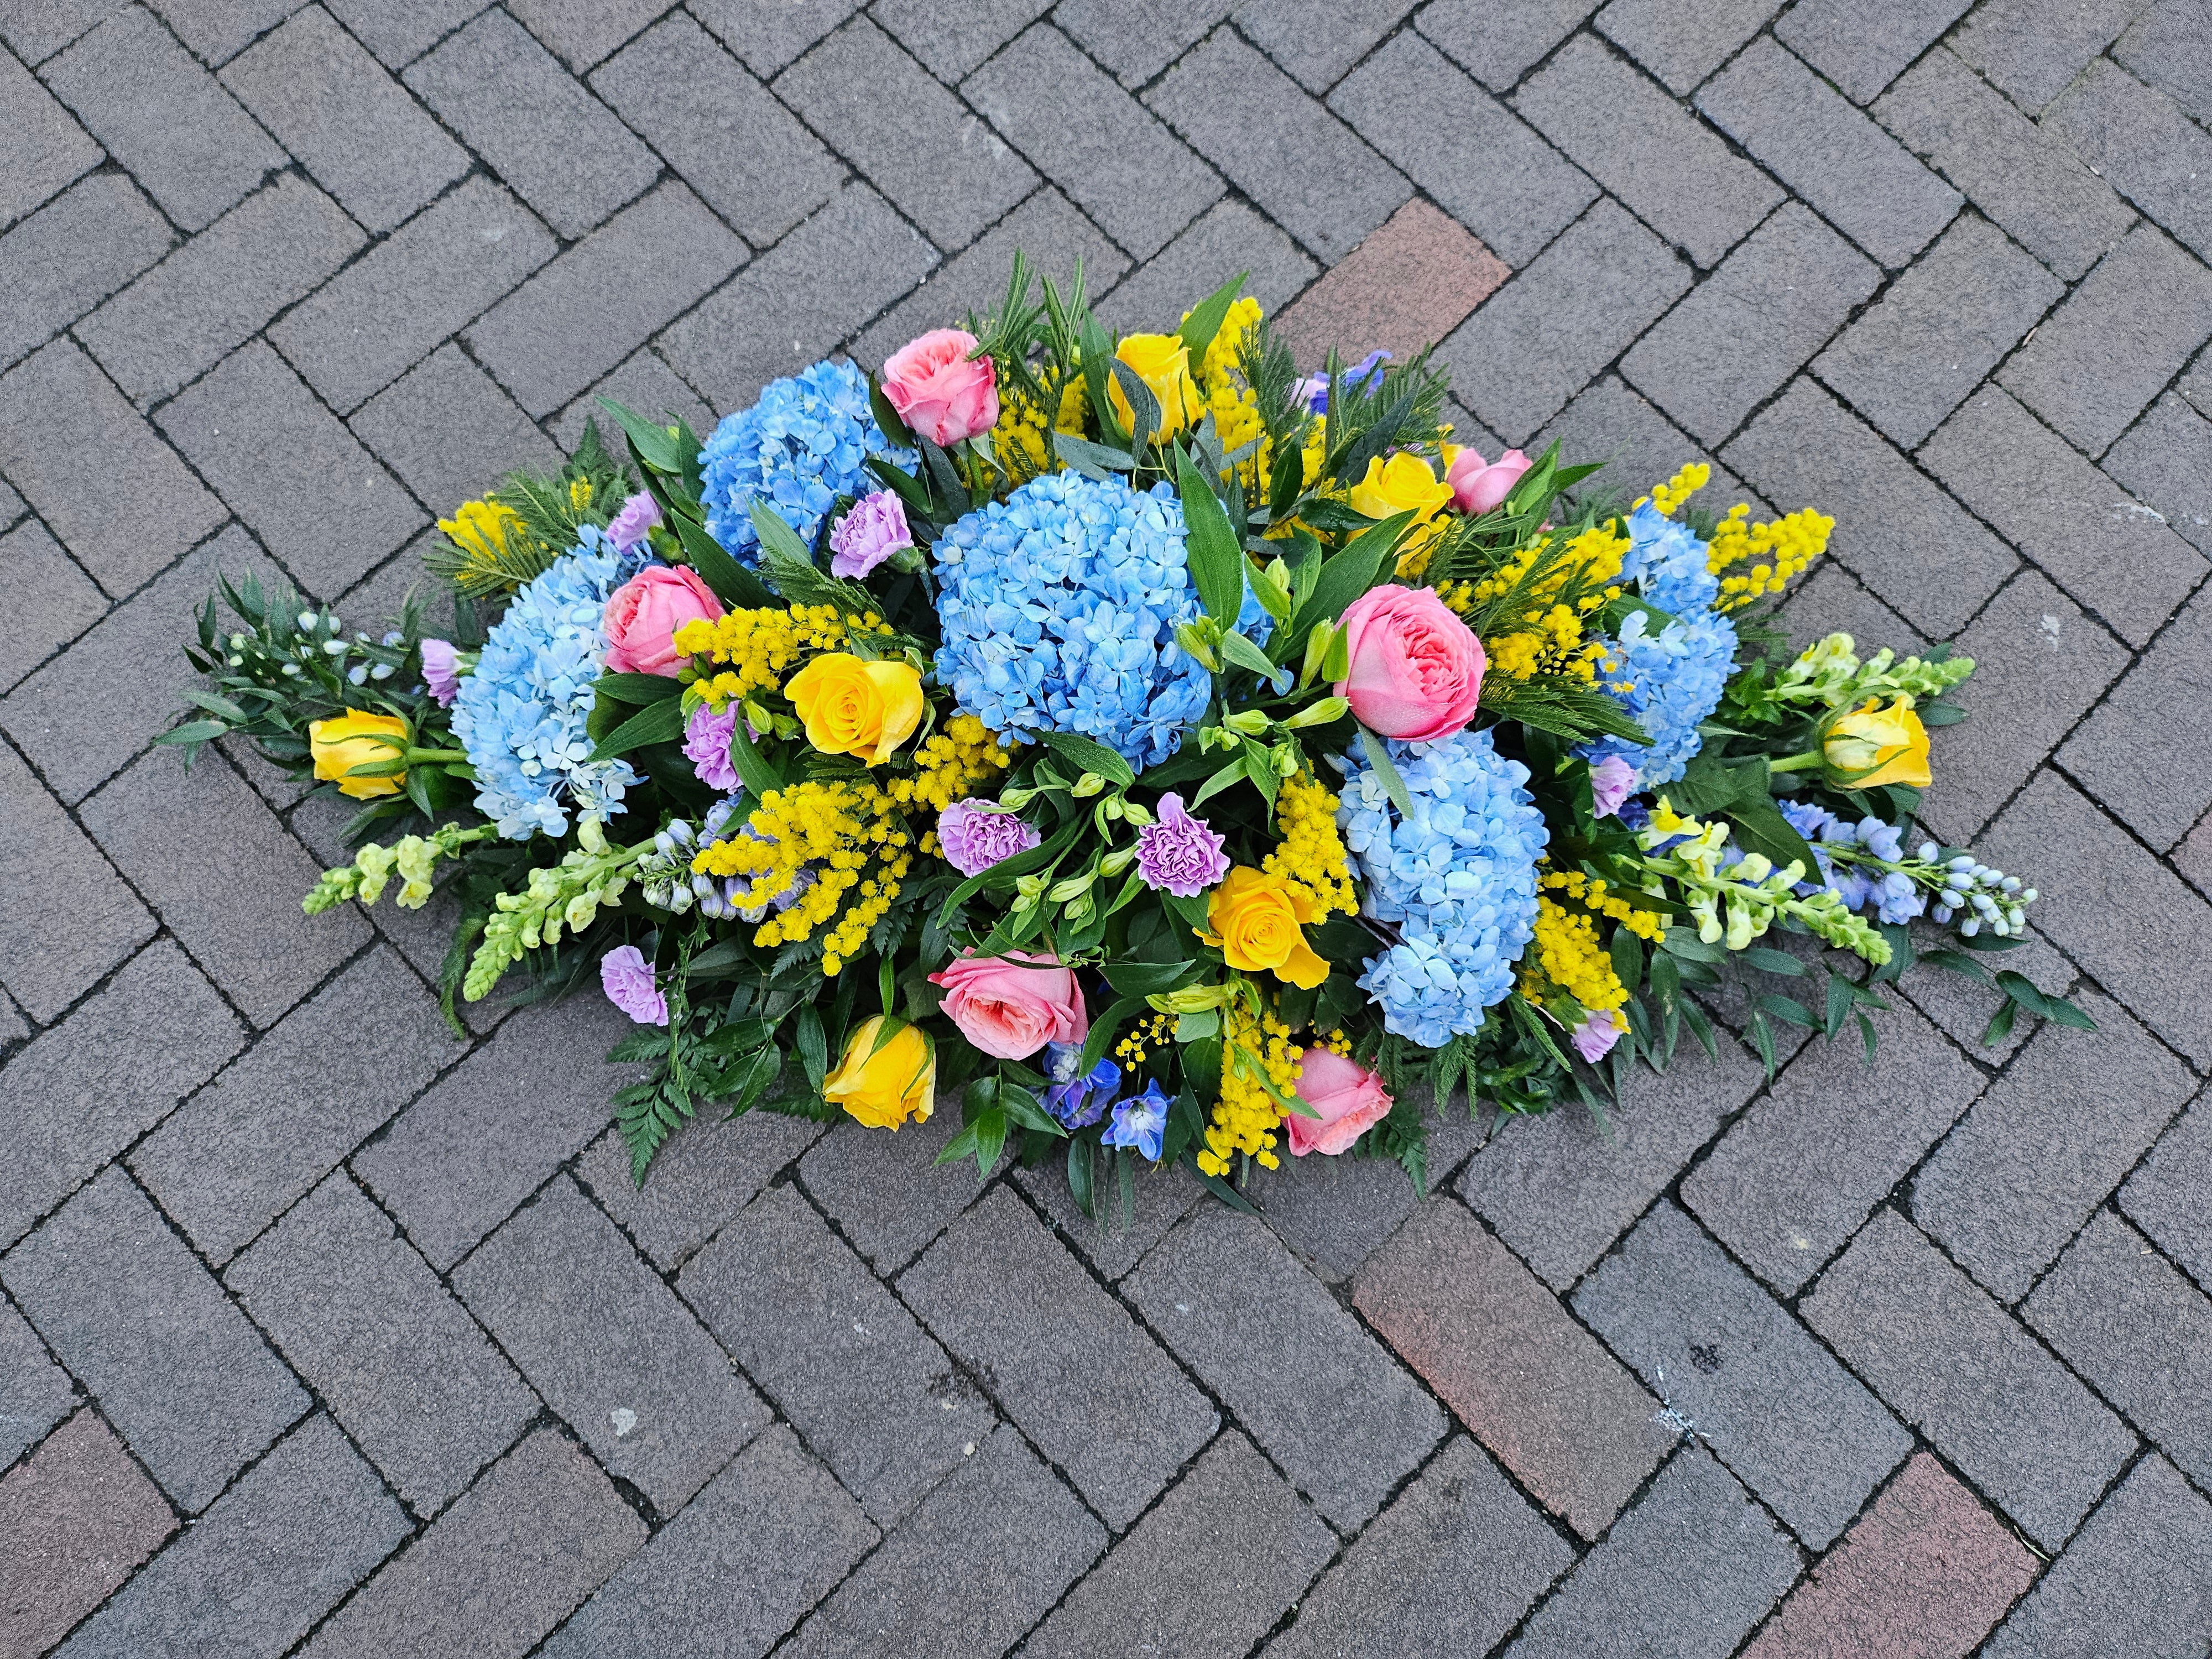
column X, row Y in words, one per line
column 1402, row 483
column 864, row 709
column 1257, row 921
column 356, row 738
column 1874, row 745
column 1162, row 362
column 883, row 1084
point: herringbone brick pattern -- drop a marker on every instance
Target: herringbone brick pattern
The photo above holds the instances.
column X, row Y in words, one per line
column 326, row 1333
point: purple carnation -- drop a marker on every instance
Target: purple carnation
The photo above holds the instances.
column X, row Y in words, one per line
column 976, row 834
column 1177, row 853
column 441, row 671
column 627, row 978
column 875, row 529
column 707, row 745
column 628, row 528
column 1612, row 780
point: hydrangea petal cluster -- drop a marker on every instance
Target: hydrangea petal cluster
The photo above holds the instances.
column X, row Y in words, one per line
column 805, row 443
column 521, row 715
column 1667, row 563
column 1675, row 676
column 1060, row 606
column 1457, row 878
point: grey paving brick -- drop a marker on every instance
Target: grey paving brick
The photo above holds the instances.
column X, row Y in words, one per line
column 1647, row 151
column 1498, row 45
column 67, row 917
column 1227, row 238
column 45, row 148
column 2111, row 553
column 1298, row 1375
column 1861, row 45
column 2170, row 47
column 489, row 1132
column 643, row 383
column 336, row 108
column 116, row 495
column 2138, row 1578
column 2029, row 181
column 38, row 28
column 1474, row 155
column 583, row 314
column 400, row 31
column 1449, row 1567
column 1335, row 1212
column 884, row 1191
column 769, row 1537
column 876, row 1398
column 541, row 1531
column 322, row 1080
column 72, row 253
column 1681, row 41
column 163, row 117
column 387, row 1348
column 1611, row 423
column 216, row 30
column 610, row 1347
column 1110, row 1243
column 2166, row 458
column 1689, row 1572
column 75, row 1520
column 271, row 1557
column 1537, row 341
column 53, row 601
column 748, row 157
column 809, row 289
column 561, row 148
column 581, row 33
column 1533, row 1386
column 2139, row 141
column 2107, row 752
column 1955, row 1365
column 448, row 430
column 2164, row 1195
column 769, row 34
column 1024, row 1537
column 39, row 1393
column 1089, row 1388
column 952, row 41
column 1208, row 1571
column 707, row 1172
column 1316, row 40
column 1768, row 1401
column 1135, row 39
column 175, row 1366
column 2031, row 49
column 1303, row 166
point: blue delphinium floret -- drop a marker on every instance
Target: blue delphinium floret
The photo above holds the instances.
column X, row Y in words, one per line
column 1076, row 1099
column 1896, row 897
column 806, row 442
column 1667, row 562
column 1458, row 878
column 521, row 715
column 1059, row 606
column 1139, row 1123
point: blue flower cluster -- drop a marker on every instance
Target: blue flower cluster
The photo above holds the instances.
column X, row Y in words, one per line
column 1676, row 676
column 521, row 715
column 1667, row 562
column 1896, row 897
column 802, row 445
column 1059, row 606
column 1458, row 877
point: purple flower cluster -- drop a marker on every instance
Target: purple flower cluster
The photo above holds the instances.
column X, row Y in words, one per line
column 978, row 834
column 632, row 521
column 1177, row 853
column 627, row 978
column 707, row 745
column 442, row 671
column 875, row 529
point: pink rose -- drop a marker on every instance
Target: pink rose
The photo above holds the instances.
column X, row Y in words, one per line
column 1013, row 1005
column 940, row 392
column 1416, row 669
column 1350, row 1098
column 1479, row 485
column 643, row 614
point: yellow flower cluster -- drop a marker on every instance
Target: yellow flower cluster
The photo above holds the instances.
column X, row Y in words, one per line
column 1567, row 953
column 1777, row 552
column 579, row 493
column 1145, row 1037
column 1311, row 859
column 759, row 645
column 1591, row 893
column 1555, row 646
column 480, row 528
column 841, row 828
column 1679, row 488
column 1549, row 636
column 1245, row 1116
column 953, row 763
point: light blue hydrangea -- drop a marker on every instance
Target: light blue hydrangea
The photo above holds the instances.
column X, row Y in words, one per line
column 1676, row 676
column 805, row 443
column 1667, row 562
column 1059, row 606
column 521, row 715
column 1458, row 878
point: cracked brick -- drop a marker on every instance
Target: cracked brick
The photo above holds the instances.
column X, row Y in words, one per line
column 2166, row 458
column 44, row 149
column 2140, row 142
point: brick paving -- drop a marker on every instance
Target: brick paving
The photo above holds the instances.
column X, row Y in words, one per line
column 324, row 1333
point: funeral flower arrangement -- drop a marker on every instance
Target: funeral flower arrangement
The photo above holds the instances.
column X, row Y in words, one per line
column 1129, row 744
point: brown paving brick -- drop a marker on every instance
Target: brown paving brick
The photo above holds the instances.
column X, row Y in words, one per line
column 75, row 1520
column 1404, row 288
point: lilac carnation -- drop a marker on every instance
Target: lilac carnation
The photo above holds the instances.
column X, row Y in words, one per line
column 1177, row 853
column 441, row 671
column 976, row 834
column 875, row 529
column 628, row 528
column 627, row 978
column 707, row 745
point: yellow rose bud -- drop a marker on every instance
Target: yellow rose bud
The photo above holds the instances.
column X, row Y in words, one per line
column 1257, row 921
column 884, row 1084
column 1162, row 362
column 1403, row 483
column 1871, row 746
column 864, row 709
column 357, row 738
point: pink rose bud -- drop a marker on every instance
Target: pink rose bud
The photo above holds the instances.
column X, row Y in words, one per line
column 643, row 614
column 1350, row 1098
column 1010, row 1006
column 939, row 392
column 1479, row 485
column 1415, row 670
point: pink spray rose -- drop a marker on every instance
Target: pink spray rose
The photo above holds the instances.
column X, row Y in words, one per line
column 1612, row 780
column 643, row 614
column 1416, row 669
column 1010, row 1006
column 1350, row 1098
column 1478, row 485
column 939, row 390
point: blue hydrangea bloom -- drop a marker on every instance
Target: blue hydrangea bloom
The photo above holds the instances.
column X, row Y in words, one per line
column 803, row 445
column 1666, row 563
column 1676, row 676
column 1458, row 878
column 1059, row 606
column 521, row 715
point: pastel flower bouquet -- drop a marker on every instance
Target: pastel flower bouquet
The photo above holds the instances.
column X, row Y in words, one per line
column 1141, row 749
